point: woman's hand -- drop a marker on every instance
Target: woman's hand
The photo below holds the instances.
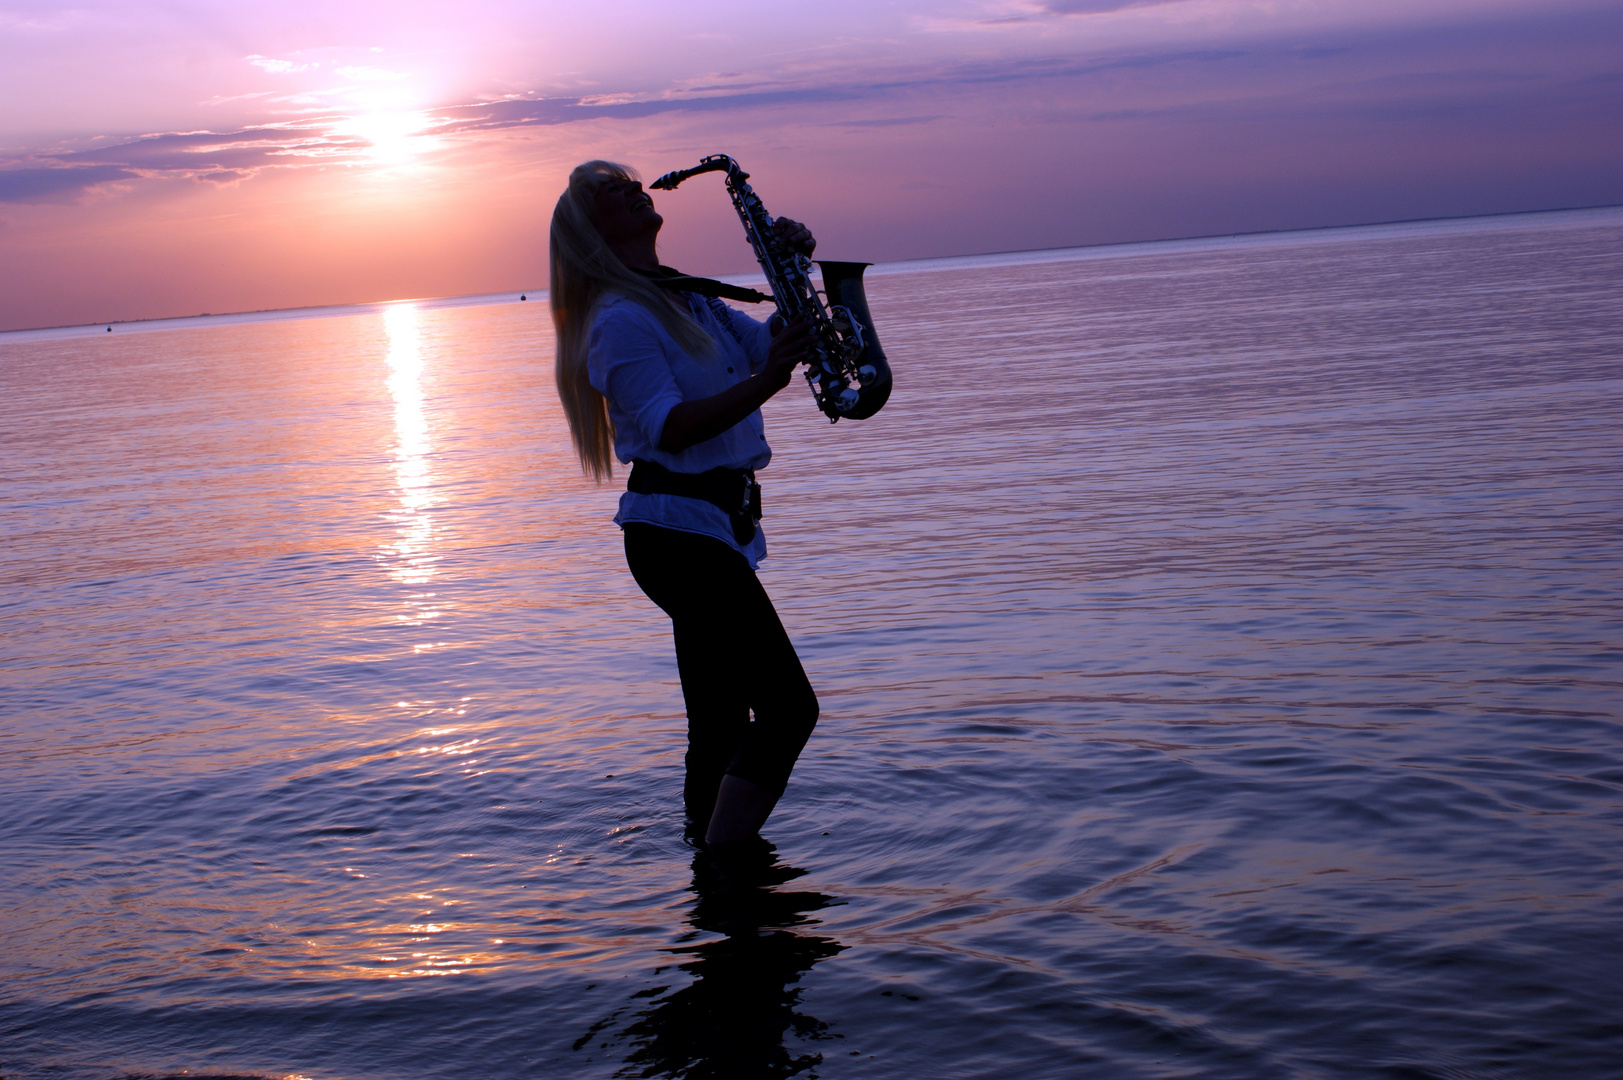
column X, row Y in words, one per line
column 798, row 238
column 791, row 346
column 693, row 422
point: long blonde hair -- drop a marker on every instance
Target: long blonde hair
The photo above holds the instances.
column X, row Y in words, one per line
column 583, row 271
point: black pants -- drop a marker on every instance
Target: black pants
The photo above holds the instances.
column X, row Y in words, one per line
column 733, row 656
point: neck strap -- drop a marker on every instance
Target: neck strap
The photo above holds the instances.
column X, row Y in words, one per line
column 675, row 280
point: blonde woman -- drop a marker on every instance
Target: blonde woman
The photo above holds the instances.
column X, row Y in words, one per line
column 671, row 381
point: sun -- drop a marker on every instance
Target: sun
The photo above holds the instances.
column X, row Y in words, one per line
column 392, row 138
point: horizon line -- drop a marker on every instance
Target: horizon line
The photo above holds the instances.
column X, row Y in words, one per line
column 473, row 299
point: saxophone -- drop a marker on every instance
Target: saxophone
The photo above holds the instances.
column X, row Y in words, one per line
column 848, row 373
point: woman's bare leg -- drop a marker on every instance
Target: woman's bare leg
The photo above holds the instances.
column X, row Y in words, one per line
column 742, row 807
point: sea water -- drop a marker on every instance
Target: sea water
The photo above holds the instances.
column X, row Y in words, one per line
column 1219, row 645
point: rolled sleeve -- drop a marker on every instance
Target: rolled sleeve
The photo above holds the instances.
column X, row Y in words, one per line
column 626, row 363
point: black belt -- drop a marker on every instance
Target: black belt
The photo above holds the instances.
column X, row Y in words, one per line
column 732, row 491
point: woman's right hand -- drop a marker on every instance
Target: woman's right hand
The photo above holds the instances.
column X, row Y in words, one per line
column 790, row 347
column 693, row 422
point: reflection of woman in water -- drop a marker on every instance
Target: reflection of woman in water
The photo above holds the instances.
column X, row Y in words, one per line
column 672, row 381
column 749, row 945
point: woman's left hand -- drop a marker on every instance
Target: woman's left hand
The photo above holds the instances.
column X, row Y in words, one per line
column 798, row 238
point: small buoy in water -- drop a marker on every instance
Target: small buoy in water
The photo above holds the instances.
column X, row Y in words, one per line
column 109, row 329
column 521, row 296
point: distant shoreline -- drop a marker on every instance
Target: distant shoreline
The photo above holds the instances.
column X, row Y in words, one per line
column 1017, row 256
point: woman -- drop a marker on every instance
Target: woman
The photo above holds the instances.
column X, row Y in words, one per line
column 673, row 382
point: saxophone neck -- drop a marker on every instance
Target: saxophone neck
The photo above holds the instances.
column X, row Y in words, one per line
column 713, row 163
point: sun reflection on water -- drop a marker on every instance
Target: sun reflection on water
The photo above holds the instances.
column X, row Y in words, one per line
column 411, row 555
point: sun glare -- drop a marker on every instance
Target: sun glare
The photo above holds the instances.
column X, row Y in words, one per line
column 392, row 138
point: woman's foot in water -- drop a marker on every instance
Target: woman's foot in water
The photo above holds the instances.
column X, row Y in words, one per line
column 742, row 807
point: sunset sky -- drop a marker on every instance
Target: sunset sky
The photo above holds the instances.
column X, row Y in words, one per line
column 172, row 158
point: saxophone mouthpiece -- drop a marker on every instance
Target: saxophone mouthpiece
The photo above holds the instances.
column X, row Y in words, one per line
column 669, row 181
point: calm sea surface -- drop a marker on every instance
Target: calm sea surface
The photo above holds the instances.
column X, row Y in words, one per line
column 1220, row 647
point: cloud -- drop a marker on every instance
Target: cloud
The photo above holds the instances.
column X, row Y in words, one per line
column 214, row 157
column 549, row 112
column 1257, row 84
column 196, row 150
column 1031, row 11
column 224, row 177
column 886, row 121
column 276, row 67
column 1096, row 7
column 231, row 156
column 57, row 185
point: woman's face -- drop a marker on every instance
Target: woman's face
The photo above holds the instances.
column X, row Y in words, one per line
column 622, row 211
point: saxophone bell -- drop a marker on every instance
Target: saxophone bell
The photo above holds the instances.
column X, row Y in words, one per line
column 865, row 358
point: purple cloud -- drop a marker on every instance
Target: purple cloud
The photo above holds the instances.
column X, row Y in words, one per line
column 1096, row 7
column 57, row 184
column 1046, row 9
column 215, row 157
